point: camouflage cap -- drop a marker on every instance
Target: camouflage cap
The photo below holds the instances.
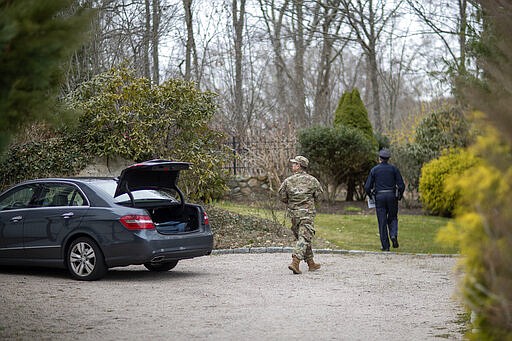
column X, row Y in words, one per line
column 301, row 160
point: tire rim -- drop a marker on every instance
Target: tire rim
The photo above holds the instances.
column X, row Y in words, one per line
column 82, row 259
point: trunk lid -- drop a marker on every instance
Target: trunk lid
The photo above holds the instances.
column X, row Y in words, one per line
column 153, row 174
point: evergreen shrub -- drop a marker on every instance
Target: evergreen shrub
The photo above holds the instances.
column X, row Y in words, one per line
column 336, row 154
column 61, row 155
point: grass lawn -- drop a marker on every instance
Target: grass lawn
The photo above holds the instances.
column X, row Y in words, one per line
column 416, row 233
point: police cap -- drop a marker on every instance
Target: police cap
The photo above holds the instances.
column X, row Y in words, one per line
column 384, row 153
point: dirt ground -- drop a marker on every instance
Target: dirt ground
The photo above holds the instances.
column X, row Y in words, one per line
column 252, row 296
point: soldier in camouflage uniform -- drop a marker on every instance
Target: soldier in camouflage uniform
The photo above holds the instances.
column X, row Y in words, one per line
column 299, row 192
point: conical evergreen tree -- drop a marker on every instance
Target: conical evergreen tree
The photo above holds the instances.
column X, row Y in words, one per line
column 36, row 39
column 351, row 112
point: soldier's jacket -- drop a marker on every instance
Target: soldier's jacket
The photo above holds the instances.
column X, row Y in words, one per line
column 299, row 192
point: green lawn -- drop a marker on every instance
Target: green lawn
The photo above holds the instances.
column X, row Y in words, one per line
column 416, row 233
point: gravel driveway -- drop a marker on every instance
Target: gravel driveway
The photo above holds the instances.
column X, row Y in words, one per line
column 252, row 296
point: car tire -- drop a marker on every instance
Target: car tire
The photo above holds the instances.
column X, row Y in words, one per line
column 85, row 260
column 166, row 266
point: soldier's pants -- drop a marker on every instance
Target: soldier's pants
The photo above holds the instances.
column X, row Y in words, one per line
column 386, row 206
column 303, row 230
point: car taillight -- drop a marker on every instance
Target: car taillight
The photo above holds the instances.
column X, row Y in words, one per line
column 205, row 218
column 137, row 222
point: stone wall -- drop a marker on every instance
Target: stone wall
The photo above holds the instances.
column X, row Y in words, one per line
column 248, row 187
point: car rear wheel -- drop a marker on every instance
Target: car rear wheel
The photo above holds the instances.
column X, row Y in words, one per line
column 166, row 266
column 85, row 260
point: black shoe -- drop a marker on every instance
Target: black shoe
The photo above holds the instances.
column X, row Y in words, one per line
column 383, row 249
column 394, row 240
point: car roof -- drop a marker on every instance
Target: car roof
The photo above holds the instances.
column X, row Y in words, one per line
column 152, row 174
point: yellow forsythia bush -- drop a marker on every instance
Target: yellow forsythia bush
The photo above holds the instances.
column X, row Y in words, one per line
column 483, row 230
column 435, row 175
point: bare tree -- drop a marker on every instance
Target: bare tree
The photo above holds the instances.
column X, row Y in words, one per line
column 331, row 21
column 449, row 20
column 274, row 16
column 238, row 17
column 124, row 31
column 147, row 39
column 368, row 19
column 155, row 35
column 190, row 51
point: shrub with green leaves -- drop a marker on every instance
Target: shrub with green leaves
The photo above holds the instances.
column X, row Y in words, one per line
column 336, row 154
column 437, row 174
column 61, row 155
column 438, row 131
column 125, row 116
column 444, row 129
column 351, row 112
column 129, row 117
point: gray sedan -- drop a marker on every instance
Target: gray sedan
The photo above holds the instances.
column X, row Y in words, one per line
column 88, row 225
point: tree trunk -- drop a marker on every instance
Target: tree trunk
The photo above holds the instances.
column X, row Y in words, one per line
column 147, row 35
column 298, row 86
column 462, row 35
column 274, row 22
column 238, row 26
column 155, row 40
column 322, row 112
column 187, row 6
column 351, row 189
column 374, row 78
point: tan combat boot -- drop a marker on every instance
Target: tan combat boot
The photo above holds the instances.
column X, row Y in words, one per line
column 312, row 265
column 294, row 266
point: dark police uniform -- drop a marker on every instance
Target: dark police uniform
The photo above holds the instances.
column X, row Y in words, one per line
column 386, row 186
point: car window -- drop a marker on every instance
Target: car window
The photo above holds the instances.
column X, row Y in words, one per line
column 148, row 194
column 18, row 198
column 58, row 194
column 77, row 199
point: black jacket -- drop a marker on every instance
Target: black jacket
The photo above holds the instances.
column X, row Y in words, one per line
column 384, row 177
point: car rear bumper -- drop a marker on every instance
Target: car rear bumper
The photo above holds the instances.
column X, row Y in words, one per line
column 150, row 246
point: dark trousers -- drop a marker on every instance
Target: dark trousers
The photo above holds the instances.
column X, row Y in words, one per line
column 386, row 206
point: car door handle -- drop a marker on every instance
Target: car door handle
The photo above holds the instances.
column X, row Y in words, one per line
column 67, row 215
column 16, row 219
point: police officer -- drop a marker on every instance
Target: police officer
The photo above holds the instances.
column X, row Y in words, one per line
column 300, row 192
column 386, row 186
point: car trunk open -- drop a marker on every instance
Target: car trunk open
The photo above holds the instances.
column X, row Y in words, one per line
column 174, row 220
column 168, row 217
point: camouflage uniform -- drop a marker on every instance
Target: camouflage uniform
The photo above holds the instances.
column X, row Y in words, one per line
column 299, row 192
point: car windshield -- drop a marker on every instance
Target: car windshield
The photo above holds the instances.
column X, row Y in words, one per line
column 109, row 187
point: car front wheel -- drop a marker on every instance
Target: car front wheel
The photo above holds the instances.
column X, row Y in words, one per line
column 85, row 260
column 161, row 266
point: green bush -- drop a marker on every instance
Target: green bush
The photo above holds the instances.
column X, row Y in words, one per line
column 351, row 112
column 383, row 141
column 437, row 174
column 125, row 116
column 36, row 39
column 444, row 129
column 410, row 158
column 128, row 116
column 57, row 156
column 336, row 155
column 438, row 131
